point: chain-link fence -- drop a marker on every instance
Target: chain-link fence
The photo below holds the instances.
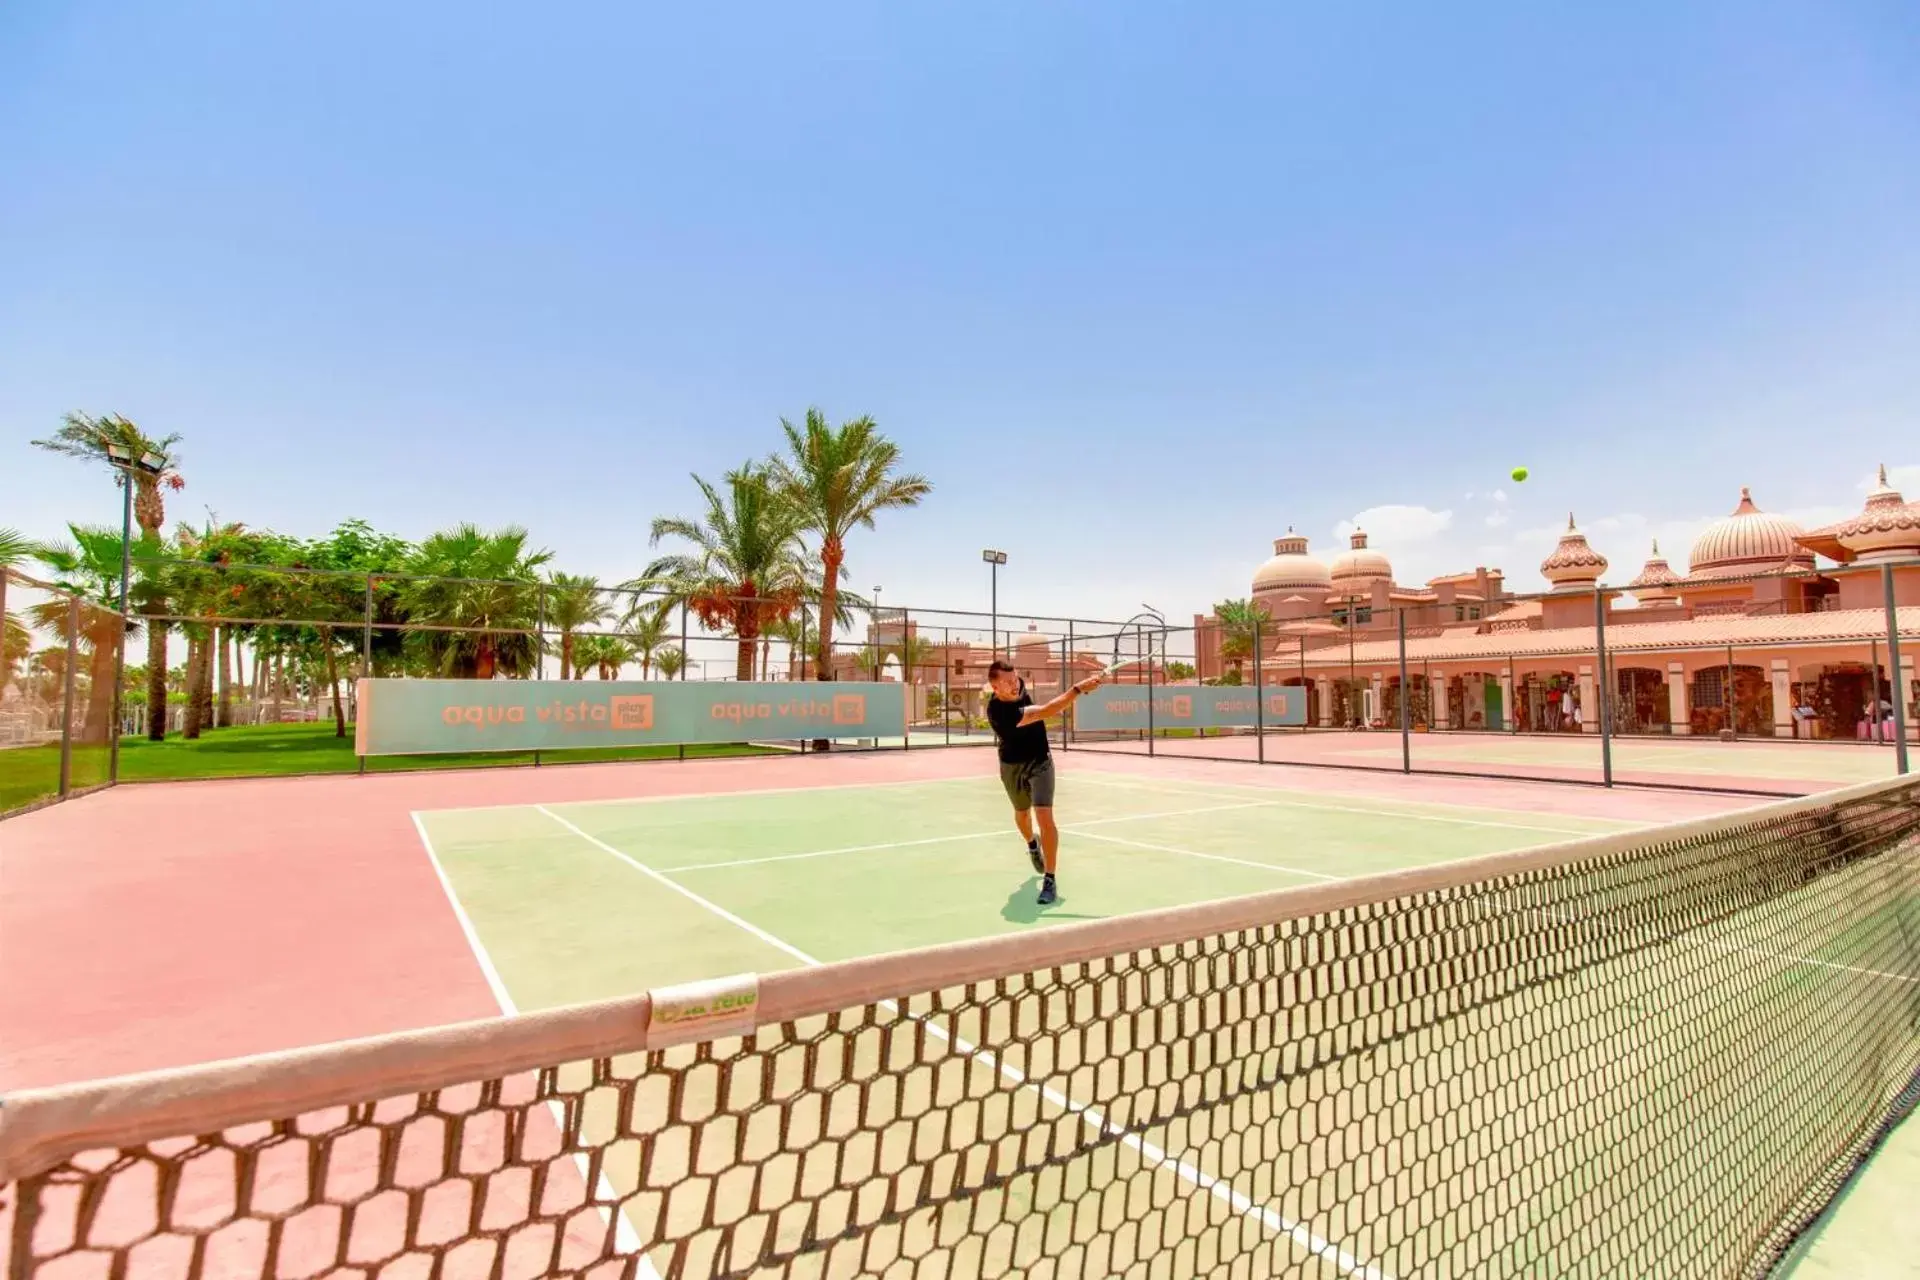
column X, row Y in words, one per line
column 1781, row 682
column 57, row 693
column 1584, row 684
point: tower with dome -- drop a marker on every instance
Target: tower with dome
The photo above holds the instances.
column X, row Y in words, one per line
column 1768, row 617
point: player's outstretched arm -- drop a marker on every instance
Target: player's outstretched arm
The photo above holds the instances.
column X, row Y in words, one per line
column 1054, row 706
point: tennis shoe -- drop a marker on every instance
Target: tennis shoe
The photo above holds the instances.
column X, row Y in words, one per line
column 1036, row 857
column 1047, row 892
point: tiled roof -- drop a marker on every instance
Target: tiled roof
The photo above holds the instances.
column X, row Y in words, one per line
column 1858, row 626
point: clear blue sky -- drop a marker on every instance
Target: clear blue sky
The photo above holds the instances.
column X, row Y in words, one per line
column 1138, row 285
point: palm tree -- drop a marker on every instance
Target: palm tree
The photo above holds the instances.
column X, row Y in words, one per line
column 840, row 478
column 88, row 439
column 644, row 628
column 787, row 631
column 915, row 652
column 202, row 583
column 1238, row 620
column 15, row 645
column 14, row 549
column 603, row 654
column 573, row 603
column 481, row 590
column 671, row 662
column 744, row 571
column 88, row 571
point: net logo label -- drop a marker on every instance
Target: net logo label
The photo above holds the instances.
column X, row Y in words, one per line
column 632, row 711
column 481, row 717
column 843, row 708
column 703, row 1010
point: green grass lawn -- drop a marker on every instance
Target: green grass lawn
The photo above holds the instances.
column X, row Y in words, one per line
column 28, row 774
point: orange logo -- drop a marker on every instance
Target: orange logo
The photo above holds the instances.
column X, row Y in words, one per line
column 1183, row 706
column 1277, row 703
column 631, row 711
column 849, row 708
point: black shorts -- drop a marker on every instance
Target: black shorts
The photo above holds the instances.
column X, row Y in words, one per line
column 1029, row 784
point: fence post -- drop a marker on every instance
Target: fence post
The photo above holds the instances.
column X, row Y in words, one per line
column 1066, row 680
column 946, row 685
column 1606, row 686
column 908, row 687
column 366, row 638
column 1406, row 698
column 66, row 717
column 540, row 632
column 1898, row 677
column 686, row 661
column 1146, row 656
column 803, row 659
column 1728, row 701
column 1259, row 690
column 119, row 694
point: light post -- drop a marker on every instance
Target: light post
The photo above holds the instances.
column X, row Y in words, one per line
column 150, row 463
column 995, row 559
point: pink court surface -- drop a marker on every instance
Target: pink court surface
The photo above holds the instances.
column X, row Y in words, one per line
column 159, row 925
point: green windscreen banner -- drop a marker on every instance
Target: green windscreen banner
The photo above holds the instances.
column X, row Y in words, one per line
column 435, row 717
column 1188, row 706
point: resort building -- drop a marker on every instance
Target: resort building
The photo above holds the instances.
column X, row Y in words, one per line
column 1771, row 631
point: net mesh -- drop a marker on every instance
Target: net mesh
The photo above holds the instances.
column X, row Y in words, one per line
column 1646, row 1056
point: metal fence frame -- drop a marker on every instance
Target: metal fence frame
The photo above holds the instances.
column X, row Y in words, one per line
column 1068, row 647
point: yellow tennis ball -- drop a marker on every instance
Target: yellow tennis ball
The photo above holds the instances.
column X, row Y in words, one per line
column 1519, row 473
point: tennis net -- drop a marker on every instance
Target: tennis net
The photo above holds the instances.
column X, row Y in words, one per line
column 1656, row 1054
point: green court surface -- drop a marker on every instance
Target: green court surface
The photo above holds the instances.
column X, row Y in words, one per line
column 1838, row 763
column 566, row 903
column 575, row 902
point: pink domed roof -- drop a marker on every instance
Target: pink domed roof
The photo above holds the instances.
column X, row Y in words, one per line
column 1359, row 567
column 1573, row 563
column 1748, row 541
column 1291, row 568
column 1657, row 579
column 1887, row 527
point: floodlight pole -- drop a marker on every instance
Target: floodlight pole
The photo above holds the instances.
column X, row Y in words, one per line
column 994, row 560
column 122, row 460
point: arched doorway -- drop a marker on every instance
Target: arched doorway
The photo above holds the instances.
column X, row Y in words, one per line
column 1641, row 702
column 1543, row 701
column 1418, row 701
column 1473, row 701
column 1748, row 696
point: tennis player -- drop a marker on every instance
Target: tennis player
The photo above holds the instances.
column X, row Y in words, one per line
column 1026, row 762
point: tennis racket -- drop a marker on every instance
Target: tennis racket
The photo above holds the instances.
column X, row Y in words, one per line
column 1143, row 649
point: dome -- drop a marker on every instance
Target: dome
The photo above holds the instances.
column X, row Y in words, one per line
column 1747, row 542
column 1887, row 528
column 1358, row 569
column 1573, row 563
column 1657, row 582
column 1291, row 568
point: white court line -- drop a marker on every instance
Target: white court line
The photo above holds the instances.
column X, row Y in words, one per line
column 667, row 797
column 1211, row 857
column 1388, row 813
column 625, row 1238
column 948, row 839
column 1214, row 1186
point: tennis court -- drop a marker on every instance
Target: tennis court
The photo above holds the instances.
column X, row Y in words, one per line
column 573, row 902
column 1452, row 1043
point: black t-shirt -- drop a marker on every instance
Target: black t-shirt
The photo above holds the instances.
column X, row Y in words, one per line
column 1018, row 744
